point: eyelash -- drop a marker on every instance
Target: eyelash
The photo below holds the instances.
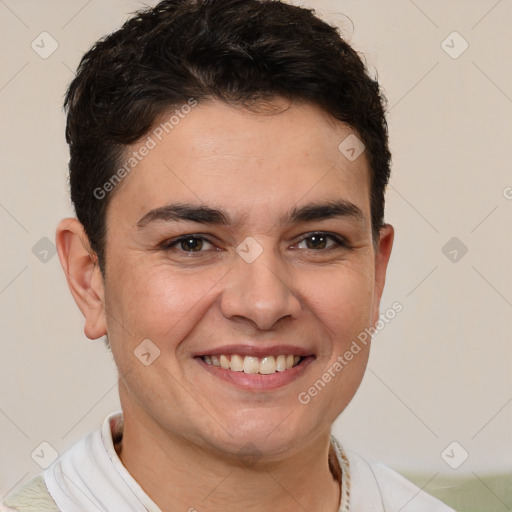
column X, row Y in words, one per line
column 339, row 242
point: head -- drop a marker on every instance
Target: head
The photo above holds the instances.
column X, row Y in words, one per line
column 228, row 166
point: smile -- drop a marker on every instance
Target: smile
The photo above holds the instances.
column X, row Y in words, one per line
column 251, row 364
column 256, row 368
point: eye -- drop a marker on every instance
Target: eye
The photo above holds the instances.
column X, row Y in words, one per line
column 320, row 241
column 187, row 243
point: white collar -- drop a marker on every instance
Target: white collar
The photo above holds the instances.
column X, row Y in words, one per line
column 91, row 473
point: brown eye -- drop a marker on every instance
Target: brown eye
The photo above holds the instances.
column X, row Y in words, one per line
column 320, row 241
column 187, row 244
column 194, row 244
column 316, row 242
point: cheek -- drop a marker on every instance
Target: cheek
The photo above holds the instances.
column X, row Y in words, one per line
column 343, row 303
column 158, row 303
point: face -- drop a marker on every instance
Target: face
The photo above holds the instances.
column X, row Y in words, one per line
column 242, row 240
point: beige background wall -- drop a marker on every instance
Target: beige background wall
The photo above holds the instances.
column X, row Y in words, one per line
column 439, row 372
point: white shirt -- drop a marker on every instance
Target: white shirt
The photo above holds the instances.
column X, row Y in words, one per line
column 90, row 477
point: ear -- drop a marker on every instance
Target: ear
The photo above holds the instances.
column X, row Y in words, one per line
column 382, row 254
column 80, row 265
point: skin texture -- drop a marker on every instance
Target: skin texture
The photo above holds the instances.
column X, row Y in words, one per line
column 191, row 439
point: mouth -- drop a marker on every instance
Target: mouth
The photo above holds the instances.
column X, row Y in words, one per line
column 256, row 368
column 266, row 365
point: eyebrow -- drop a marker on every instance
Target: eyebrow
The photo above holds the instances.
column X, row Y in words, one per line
column 207, row 215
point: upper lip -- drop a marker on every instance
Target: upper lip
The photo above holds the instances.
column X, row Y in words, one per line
column 255, row 350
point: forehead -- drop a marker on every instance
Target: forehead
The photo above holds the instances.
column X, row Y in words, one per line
column 245, row 161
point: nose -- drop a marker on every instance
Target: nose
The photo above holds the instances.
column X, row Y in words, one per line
column 260, row 292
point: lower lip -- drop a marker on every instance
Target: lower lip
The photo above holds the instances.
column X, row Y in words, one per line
column 257, row 381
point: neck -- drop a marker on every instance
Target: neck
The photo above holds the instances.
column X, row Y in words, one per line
column 179, row 475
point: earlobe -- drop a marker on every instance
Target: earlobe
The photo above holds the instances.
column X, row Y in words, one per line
column 83, row 275
column 382, row 255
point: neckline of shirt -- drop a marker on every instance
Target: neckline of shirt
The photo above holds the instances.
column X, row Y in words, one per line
column 111, row 433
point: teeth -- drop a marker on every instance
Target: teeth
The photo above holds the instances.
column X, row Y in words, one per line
column 268, row 365
column 236, row 364
column 281, row 363
column 251, row 364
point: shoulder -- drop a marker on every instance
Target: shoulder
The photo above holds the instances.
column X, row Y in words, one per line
column 374, row 487
column 31, row 497
column 389, row 490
